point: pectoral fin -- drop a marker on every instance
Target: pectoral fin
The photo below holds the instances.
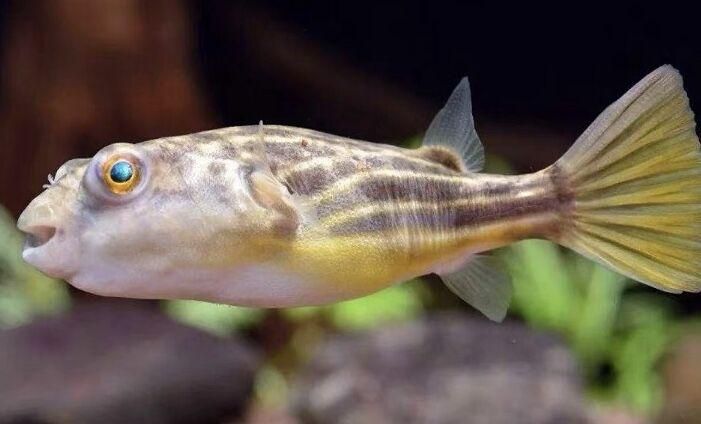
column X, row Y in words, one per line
column 483, row 285
column 271, row 194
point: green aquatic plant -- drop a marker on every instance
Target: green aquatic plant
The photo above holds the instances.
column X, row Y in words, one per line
column 397, row 303
column 563, row 292
column 217, row 319
column 619, row 337
column 647, row 329
column 400, row 302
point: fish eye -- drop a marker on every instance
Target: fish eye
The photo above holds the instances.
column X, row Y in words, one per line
column 117, row 174
column 121, row 172
column 120, row 175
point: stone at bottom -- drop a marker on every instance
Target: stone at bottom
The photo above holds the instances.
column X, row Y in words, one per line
column 448, row 368
column 120, row 362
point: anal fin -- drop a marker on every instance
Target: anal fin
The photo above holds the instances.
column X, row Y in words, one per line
column 482, row 284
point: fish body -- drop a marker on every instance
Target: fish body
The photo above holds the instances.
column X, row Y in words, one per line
column 277, row 216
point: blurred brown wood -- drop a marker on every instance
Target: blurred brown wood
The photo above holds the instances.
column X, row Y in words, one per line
column 682, row 375
column 79, row 74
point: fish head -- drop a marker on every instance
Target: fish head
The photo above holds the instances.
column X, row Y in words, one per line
column 137, row 216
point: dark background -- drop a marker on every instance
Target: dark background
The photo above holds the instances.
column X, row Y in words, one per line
column 556, row 64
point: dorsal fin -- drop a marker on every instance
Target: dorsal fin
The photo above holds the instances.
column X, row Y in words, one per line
column 454, row 128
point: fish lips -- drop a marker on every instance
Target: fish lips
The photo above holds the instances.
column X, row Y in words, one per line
column 48, row 257
column 46, row 249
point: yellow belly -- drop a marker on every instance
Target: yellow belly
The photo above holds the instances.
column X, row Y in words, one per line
column 343, row 267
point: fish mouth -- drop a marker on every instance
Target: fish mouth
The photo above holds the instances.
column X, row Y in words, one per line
column 41, row 251
column 34, row 251
column 37, row 236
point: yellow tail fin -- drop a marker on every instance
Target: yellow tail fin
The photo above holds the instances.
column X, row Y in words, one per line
column 635, row 175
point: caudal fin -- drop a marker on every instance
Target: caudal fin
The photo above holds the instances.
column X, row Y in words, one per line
column 635, row 175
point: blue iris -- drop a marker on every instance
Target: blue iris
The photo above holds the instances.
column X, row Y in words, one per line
column 121, row 172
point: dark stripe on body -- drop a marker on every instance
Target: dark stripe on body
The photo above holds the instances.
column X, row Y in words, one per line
column 387, row 188
column 492, row 202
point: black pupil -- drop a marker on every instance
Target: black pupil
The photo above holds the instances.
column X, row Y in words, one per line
column 121, row 172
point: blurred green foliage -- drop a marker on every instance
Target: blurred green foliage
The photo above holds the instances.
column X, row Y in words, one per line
column 606, row 327
column 24, row 292
column 646, row 329
column 566, row 293
column 217, row 319
column 397, row 303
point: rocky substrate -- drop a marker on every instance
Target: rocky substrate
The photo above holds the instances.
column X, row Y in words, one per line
column 120, row 362
column 448, row 368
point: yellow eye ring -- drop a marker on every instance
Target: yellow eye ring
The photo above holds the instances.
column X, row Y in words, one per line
column 120, row 175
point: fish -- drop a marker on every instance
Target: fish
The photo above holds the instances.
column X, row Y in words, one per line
column 277, row 216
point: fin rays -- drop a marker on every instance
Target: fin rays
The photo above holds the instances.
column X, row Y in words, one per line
column 636, row 176
column 483, row 285
column 454, row 128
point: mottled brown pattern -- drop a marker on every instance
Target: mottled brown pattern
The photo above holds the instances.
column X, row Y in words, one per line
column 215, row 169
column 320, row 167
column 286, row 147
column 314, row 180
column 160, row 195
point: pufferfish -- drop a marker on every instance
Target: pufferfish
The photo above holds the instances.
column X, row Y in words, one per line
column 277, row 216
